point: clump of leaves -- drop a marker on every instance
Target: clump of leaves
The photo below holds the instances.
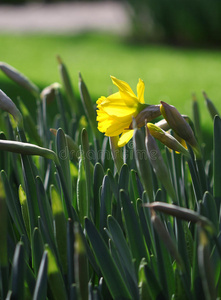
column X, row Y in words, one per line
column 82, row 219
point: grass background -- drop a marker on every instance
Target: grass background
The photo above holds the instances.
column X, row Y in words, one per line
column 170, row 74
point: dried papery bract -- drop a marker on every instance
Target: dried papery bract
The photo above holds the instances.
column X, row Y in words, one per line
column 9, row 106
column 147, row 114
column 180, row 126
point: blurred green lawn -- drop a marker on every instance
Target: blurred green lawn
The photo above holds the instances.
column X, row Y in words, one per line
column 170, row 74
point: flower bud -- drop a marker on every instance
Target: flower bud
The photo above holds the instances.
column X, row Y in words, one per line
column 179, row 125
column 167, row 139
column 8, row 105
column 163, row 125
column 149, row 113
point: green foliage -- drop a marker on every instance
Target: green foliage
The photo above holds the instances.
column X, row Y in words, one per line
column 73, row 226
column 180, row 22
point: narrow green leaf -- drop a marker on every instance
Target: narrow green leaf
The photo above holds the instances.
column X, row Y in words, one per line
column 98, row 178
column 132, row 285
column 88, row 106
column 61, row 108
column 133, row 229
column 80, row 265
column 217, row 160
column 124, row 178
column 18, row 272
column 60, row 226
column 40, row 291
column 205, row 266
column 210, row 106
column 37, row 249
column 146, row 225
column 114, row 281
column 82, row 192
column 29, row 124
column 143, row 164
column 149, row 286
column 63, row 156
column 87, row 166
column 166, row 239
column 196, row 119
column 55, row 278
column 181, row 242
column 210, row 209
column 45, row 209
column 70, row 256
column 19, row 78
column 3, row 243
column 4, row 156
column 30, row 191
column 24, row 209
column 72, row 101
column 105, row 203
column 121, row 245
column 196, row 282
column 133, row 181
column 13, row 204
column 164, row 265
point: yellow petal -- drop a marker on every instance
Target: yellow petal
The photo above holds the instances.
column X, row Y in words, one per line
column 118, row 108
column 140, row 91
column 100, row 100
column 116, row 128
column 125, row 137
column 123, row 86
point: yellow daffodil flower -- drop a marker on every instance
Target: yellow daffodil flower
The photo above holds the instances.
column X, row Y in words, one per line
column 115, row 112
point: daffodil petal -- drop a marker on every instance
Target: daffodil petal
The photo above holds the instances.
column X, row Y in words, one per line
column 140, row 91
column 125, row 137
column 118, row 108
column 122, row 85
column 116, row 128
column 100, row 100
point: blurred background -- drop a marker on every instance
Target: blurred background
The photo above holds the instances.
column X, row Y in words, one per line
column 173, row 45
